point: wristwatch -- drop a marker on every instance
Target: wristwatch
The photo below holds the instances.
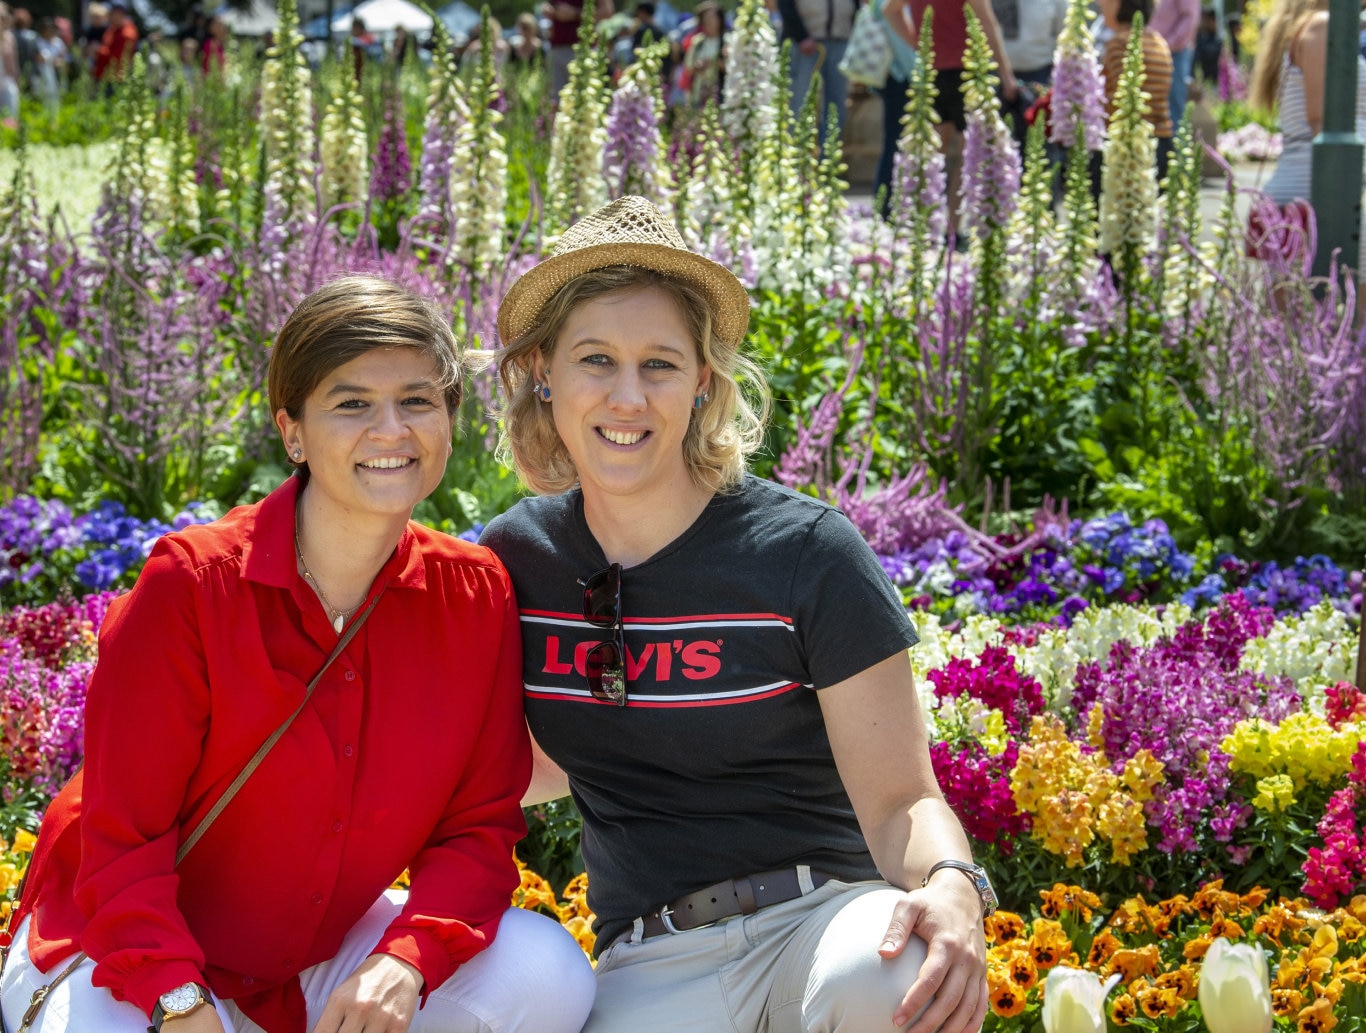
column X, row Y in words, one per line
column 178, row 1002
column 980, row 882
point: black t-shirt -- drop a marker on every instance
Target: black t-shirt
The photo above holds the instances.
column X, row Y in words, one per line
column 719, row 765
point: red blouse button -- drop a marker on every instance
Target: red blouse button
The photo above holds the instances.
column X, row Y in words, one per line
column 336, row 826
column 317, row 898
column 350, row 675
column 347, row 750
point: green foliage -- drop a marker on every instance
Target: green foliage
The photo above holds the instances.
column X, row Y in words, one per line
column 551, row 845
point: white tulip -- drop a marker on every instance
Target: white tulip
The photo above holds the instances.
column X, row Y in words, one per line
column 1074, row 1001
column 1235, row 989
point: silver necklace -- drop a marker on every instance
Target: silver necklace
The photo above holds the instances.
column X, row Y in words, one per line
column 339, row 617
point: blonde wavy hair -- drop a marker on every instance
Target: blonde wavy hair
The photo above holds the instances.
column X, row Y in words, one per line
column 1287, row 19
column 721, row 436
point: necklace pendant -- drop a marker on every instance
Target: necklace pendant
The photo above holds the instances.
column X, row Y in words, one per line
column 337, row 623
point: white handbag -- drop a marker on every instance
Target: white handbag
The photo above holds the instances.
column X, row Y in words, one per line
column 868, row 54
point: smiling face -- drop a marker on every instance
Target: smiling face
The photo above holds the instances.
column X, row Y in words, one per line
column 623, row 376
column 375, row 433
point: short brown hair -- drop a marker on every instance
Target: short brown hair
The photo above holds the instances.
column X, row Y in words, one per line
column 346, row 318
column 721, row 436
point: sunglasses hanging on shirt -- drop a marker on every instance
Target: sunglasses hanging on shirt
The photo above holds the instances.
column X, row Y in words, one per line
column 604, row 664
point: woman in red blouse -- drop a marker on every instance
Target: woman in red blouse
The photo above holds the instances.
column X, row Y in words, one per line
column 411, row 753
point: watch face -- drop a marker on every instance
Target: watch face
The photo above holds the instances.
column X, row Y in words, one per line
column 180, row 999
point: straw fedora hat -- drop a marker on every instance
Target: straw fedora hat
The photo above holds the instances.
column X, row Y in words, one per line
column 630, row 231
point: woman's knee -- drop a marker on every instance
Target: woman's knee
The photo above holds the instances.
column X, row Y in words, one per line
column 851, row 987
column 533, row 977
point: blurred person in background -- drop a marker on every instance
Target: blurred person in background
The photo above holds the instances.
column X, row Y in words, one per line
column 501, row 47
column 527, row 45
column 565, row 17
column 1177, row 22
column 949, row 30
column 1029, row 31
column 118, row 45
column 26, row 45
column 1288, row 78
column 213, row 55
column 819, row 33
column 53, row 57
column 705, row 59
column 9, row 65
column 1209, row 45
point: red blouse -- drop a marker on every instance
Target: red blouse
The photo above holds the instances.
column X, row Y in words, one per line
column 411, row 753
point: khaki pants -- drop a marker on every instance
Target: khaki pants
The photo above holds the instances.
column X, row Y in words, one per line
column 807, row 966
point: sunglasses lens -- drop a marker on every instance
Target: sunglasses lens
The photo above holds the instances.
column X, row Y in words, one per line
column 606, row 676
column 602, row 597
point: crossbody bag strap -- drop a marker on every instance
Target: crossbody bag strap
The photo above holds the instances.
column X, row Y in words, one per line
column 274, row 737
column 40, row 995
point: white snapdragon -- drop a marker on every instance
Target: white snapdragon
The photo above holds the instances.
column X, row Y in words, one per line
column 1315, row 649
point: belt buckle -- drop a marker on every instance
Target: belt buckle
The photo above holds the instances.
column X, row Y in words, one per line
column 666, row 916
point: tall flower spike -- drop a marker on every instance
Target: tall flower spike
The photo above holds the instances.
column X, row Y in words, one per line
column 173, row 155
column 1077, row 110
column 748, row 101
column 574, row 183
column 778, row 196
column 1184, row 279
column 1128, row 197
column 345, row 145
column 479, row 195
column 919, row 211
column 391, row 176
column 446, row 113
column 991, row 161
column 634, row 159
column 287, row 137
column 704, row 200
column 133, row 179
column 1033, row 227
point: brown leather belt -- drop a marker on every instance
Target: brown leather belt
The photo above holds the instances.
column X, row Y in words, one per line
column 742, row 896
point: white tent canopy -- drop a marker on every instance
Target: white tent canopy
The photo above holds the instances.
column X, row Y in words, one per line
column 258, row 19
column 385, row 16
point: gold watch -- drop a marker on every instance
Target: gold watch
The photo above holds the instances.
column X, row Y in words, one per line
column 181, row 1001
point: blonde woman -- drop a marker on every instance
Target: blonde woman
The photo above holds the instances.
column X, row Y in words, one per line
column 1289, row 76
column 715, row 667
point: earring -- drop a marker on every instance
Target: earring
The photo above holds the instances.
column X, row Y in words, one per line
column 298, row 454
column 542, row 391
column 700, row 400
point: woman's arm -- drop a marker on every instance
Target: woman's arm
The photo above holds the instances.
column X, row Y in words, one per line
column 878, row 739
column 147, row 714
column 1309, row 53
column 548, row 780
column 898, row 17
column 463, row 877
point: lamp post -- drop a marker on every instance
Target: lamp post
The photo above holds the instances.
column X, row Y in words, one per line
column 1335, row 187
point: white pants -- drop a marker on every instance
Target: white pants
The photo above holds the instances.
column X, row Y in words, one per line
column 533, row 977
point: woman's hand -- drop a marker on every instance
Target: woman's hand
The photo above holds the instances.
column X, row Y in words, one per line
column 952, row 981
column 203, row 1019
column 379, row 997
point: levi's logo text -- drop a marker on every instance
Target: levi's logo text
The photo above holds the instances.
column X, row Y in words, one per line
column 655, row 660
column 668, row 661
